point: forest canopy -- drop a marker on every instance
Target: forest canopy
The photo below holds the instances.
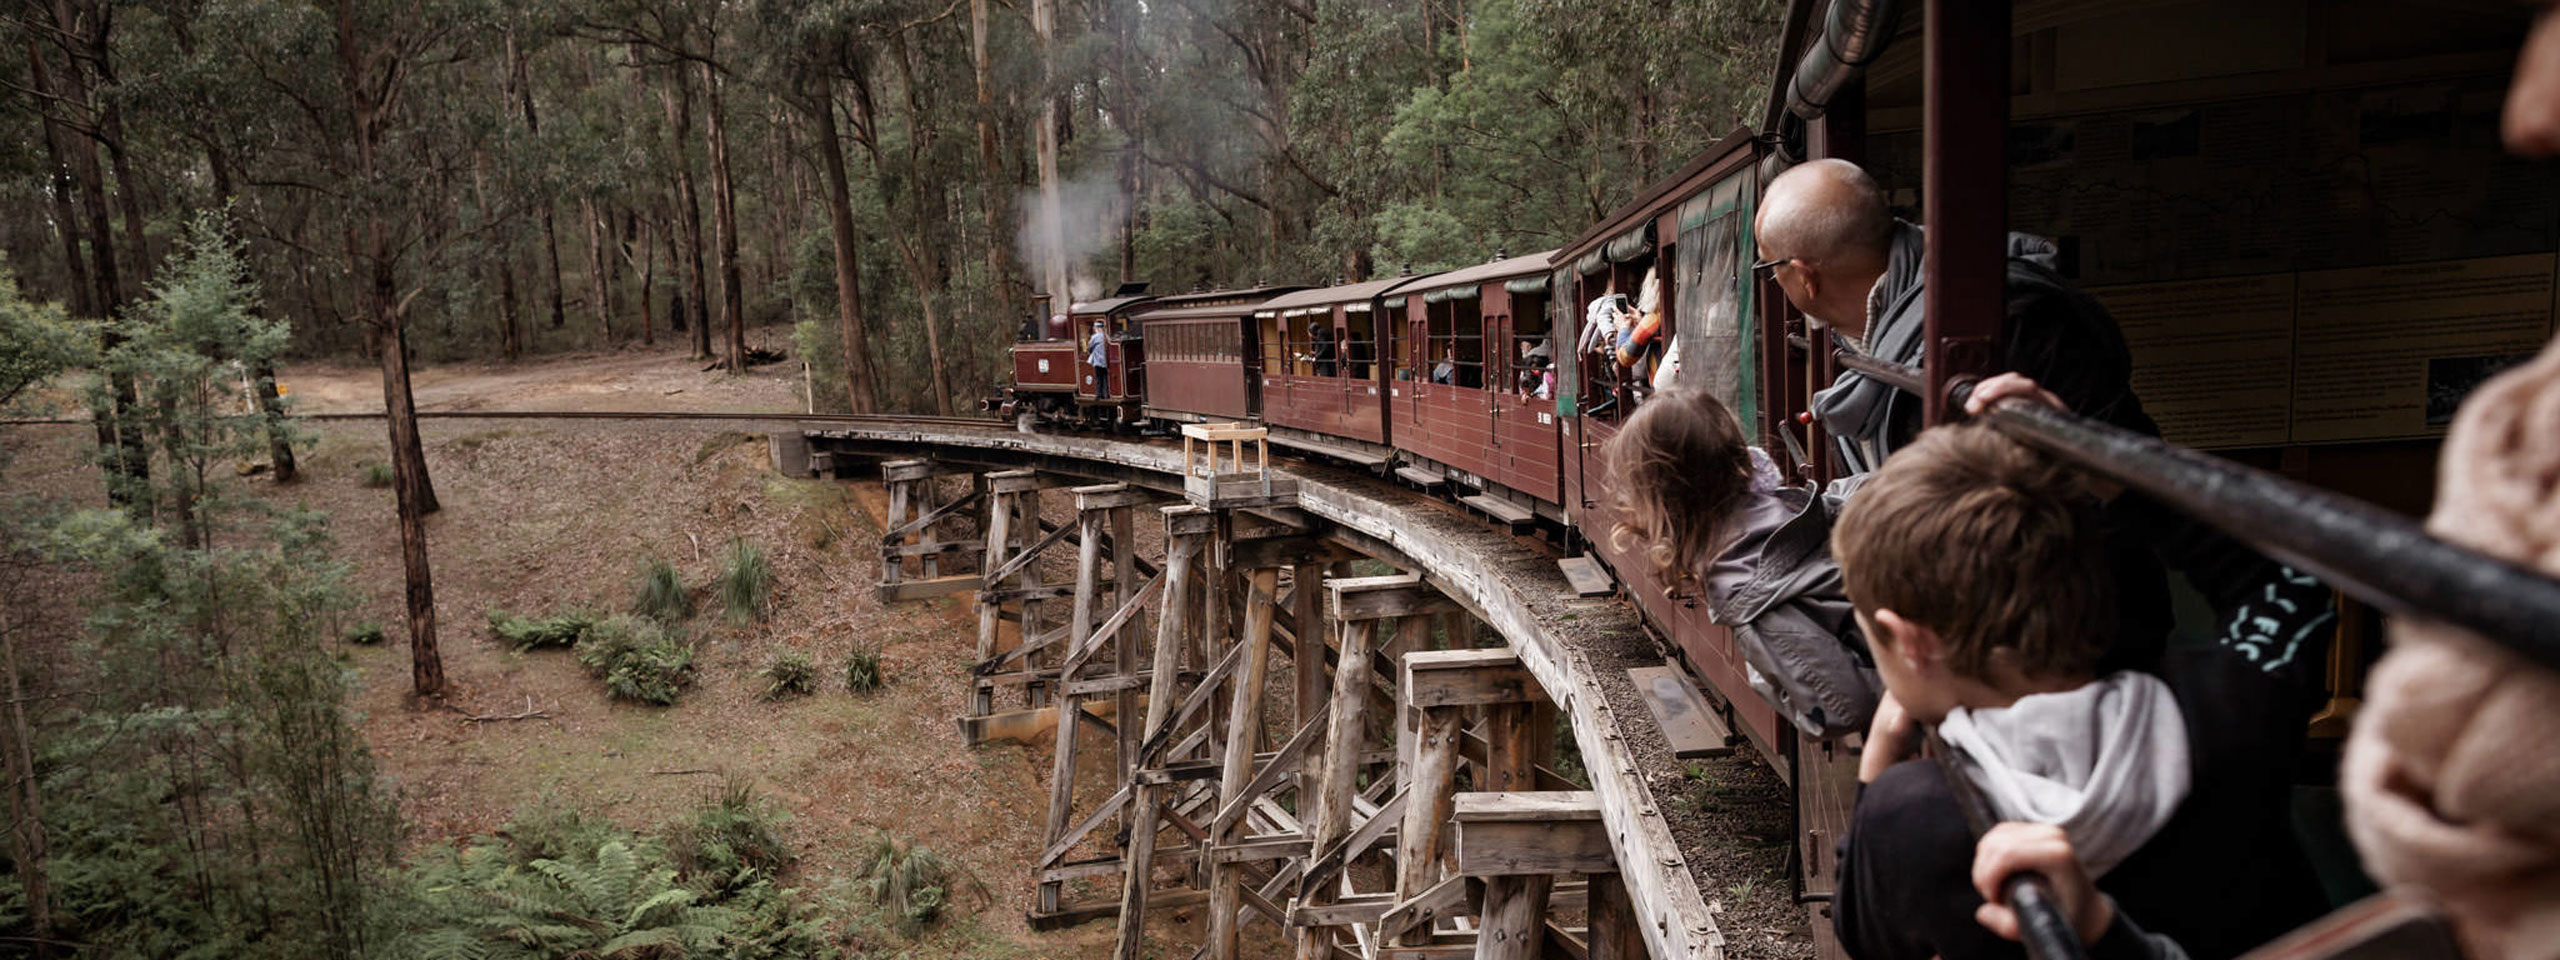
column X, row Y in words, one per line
column 482, row 179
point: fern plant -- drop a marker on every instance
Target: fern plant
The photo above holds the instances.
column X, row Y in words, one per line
column 746, row 582
column 792, row 674
column 734, row 839
column 862, row 672
column 563, row 629
column 637, row 659
column 620, row 901
column 659, row 594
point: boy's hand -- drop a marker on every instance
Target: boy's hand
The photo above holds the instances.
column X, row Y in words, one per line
column 2012, row 848
column 1891, row 737
column 2003, row 386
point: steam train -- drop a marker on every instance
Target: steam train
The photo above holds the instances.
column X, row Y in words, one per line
column 1497, row 383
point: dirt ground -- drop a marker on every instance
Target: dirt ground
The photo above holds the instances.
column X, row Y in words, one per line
column 538, row 517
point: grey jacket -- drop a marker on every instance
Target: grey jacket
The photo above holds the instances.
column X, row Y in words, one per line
column 1778, row 589
column 2051, row 331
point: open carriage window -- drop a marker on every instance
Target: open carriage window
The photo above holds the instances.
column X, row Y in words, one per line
column 1458, row 349
column 1532, row 374
column 1712, row 342
column 1275, row 348
column 1396, row 331
column 1359, row 346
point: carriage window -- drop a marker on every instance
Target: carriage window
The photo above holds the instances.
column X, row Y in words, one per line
column 1359, row 347
column 1466, row 324
column 1274, row 346
column 1398, row 340
column 1532, row 348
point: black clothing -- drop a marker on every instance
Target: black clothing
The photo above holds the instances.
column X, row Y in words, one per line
column 1322, row 353
column 2224, row 875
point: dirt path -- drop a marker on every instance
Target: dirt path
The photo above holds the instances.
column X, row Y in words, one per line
column 634, row 379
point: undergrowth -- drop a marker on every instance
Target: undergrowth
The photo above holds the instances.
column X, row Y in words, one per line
column 746, row 582
column 659, row 594
column 562, row 629
column 367, row 634
column 377, row 475
column 638, row 660
column 912, row 885
column 862, row 672
column 555, row 886
column 792, row 674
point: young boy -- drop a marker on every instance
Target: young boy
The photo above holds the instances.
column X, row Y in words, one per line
column 1978, row 570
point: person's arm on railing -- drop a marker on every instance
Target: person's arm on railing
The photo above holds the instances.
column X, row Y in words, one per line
column 2013, row 848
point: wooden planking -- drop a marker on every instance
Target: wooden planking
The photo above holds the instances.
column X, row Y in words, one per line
column 1499, row 848
column 1500, row 509
column 1695, row 731
column 1416, row 913
column 1373, row 598
column 1525, row 807
column 1587, row 577
column 1460, row 678
column 920, row 589
column 1423, row 477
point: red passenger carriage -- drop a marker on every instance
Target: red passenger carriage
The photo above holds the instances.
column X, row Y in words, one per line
column 1204, row 358
column 1474, row 380
column 1323, row 387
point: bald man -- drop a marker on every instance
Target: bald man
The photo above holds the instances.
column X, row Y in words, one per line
column 1826, row 235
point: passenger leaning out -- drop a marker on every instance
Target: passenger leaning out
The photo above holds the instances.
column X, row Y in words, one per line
column 1979, row 575
column 1719, row 524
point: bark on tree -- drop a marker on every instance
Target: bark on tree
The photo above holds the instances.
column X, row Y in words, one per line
column 599, row 272
column 26, row 831
column 991, row 195
column 523, row 81
column 1052, row 234
column 733, row 309
column 127, row 458
column 677, row 97
column 861, row 388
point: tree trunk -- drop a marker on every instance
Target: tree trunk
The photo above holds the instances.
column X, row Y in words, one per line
column 1052, row 234
column 861, row 390
column 648, row 280
column 271, row 406
column 66, row 222
column 26, row 830
column 724, row 199
column 128, row 464
column 426, row 665
column 675, row 295
column 991, row 195
column 599, row 278
column 523, row 82
column 679, row 106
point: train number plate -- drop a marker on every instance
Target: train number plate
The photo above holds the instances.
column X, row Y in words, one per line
column 1546, row 419
column 1044, row 365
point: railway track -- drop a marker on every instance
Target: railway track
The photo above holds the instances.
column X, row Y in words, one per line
column 872, row 419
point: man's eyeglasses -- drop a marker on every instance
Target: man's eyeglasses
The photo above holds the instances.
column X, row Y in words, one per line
column 1769, row 268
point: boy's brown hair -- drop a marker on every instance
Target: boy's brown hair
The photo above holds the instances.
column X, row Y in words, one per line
column 1991, row 544
column 1678, row 470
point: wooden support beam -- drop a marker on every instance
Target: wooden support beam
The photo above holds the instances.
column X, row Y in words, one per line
column 1334, row 789
column 1372, row 598
column 1615, row 930
column 905, row 590
column 1331, row 860
column 1254, row 849
column 1485, row 806
column 1110, row 629
column 1112, row 866
column 1016, row 561
column 1284, row 551
column 1072, row 914
column 1179, row 771
column 1430, row 788
column 1108, row 496
column 1278, row 768
column 1244, row 724
column 1135, row 886
column 1076, row 834
column 901, row 532
column 1461, row 678
column 1361, row 908
column 1515, row 918
column 1306, row 600
column 1191, row 704
column 1409, row 921
column 1027, row 725
column 1511, row 848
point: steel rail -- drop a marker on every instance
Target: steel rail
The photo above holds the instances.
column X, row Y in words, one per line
column 865, row 418
column 2375, row 555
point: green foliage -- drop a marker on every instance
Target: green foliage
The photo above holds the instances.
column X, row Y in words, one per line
column 659, row 593
column 862, row 673
column 208, row 795
column 562, row 629
column 733, row 841
column 366, row 633
column 746, row 582
column 912, row 885
column 377, row 476
column 37, row 342
column 792, row 674
column 638, row 659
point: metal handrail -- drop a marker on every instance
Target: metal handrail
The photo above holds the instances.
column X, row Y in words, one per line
column 2382, row 558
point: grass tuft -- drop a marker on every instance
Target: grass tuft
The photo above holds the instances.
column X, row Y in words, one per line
column 862, row 673
column 378, row 475
column 911, row 884
column 659, row 594
column 733, row 840
column 746, row 582
column 792, row 674
column 367, row 634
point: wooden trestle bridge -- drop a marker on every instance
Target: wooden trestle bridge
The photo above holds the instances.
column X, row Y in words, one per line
column 1328, row 803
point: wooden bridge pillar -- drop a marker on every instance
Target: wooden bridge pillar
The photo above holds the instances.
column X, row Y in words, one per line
column 1010, row 589
column 912, row 530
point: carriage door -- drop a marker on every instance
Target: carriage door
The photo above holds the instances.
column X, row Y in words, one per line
column 1497, row 371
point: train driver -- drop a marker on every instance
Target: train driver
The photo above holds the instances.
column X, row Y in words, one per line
column 1097, row 353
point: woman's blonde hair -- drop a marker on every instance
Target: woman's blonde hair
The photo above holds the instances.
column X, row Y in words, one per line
column 1678, row 469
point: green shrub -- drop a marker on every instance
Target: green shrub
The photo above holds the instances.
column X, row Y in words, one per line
column 910, row 883
column 378, row 475
column 733, row 840
column 792, row 674
column 562, row 629
column 862, row 672
column 637, row 659
column 659, row 594
column 622, row 897
column 746, row 582
column 367, row 633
